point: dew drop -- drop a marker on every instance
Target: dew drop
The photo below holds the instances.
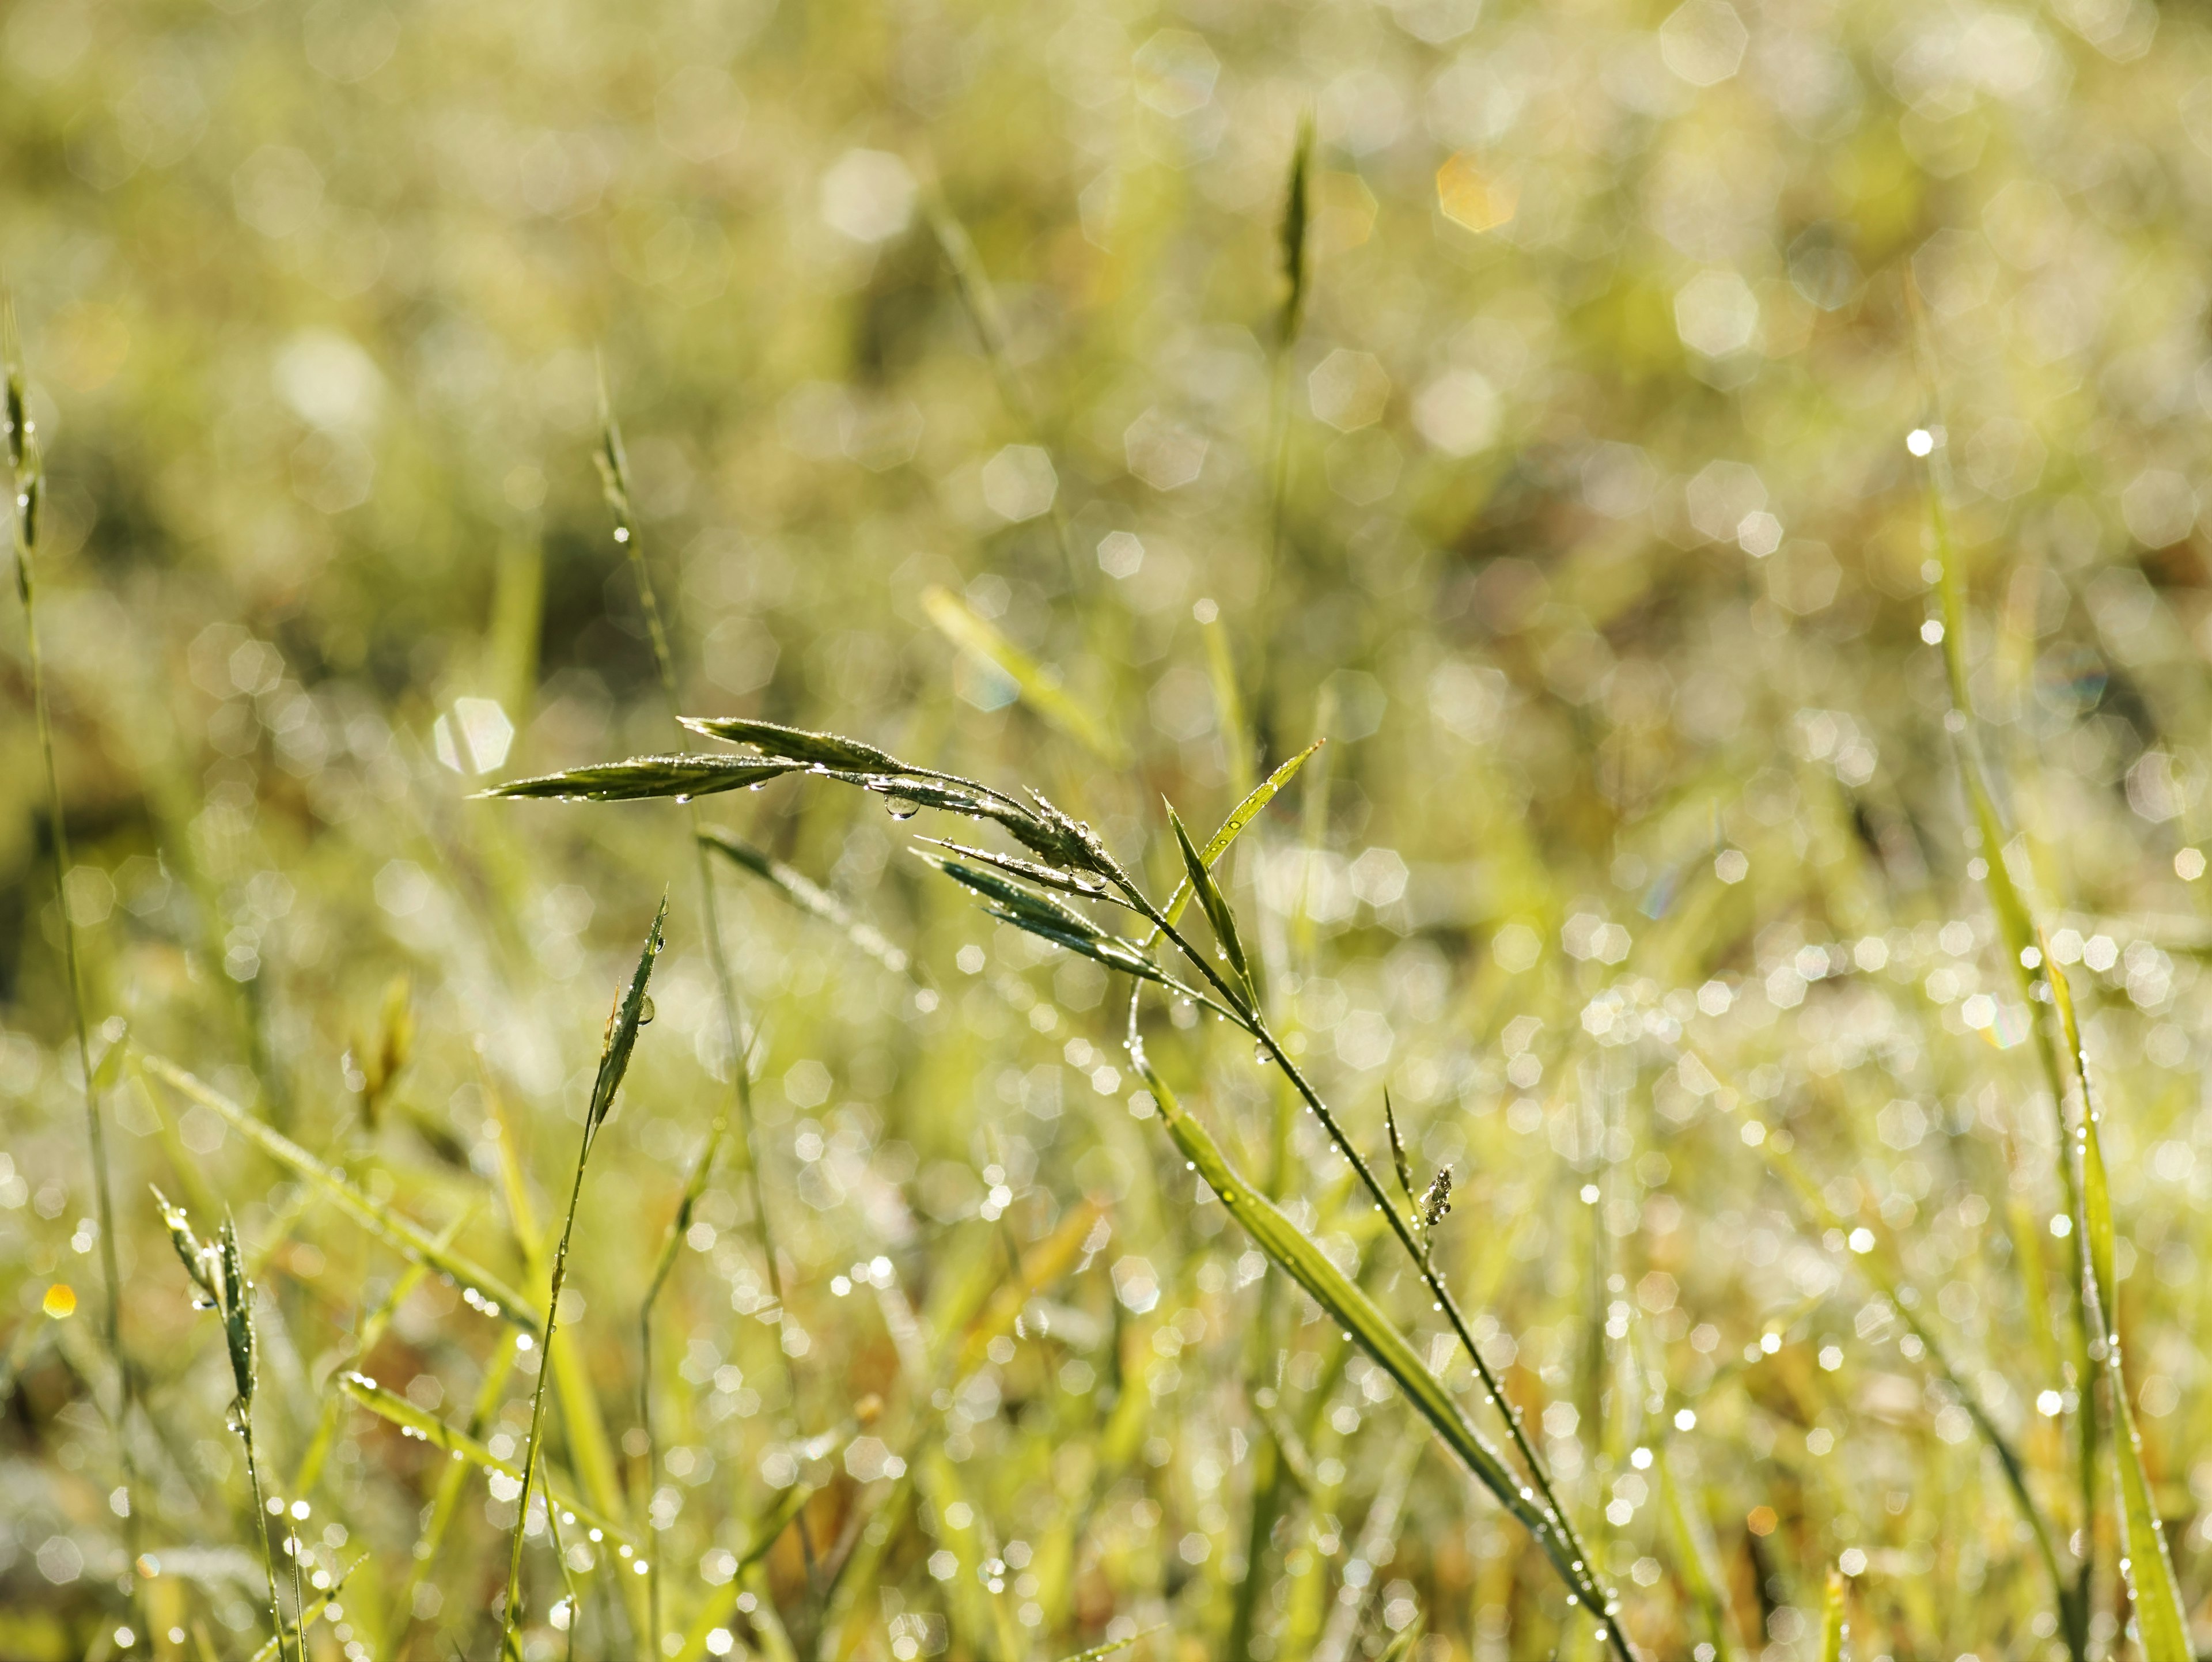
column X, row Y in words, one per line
column 644, row 1010
column 901, row 807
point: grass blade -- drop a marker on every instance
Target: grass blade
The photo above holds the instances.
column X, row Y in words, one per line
column 809, row 896
column 270, row 1648
column 1242, row 815
column 1040, row 687
column 2144, row 1562
column 1358, row 1315
column 483, row 1289
column 641, row 776
column 629, row 1015
column 1216, row 905
column 427, row 1427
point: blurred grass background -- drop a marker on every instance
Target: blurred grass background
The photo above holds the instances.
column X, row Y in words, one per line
column 1602, row 562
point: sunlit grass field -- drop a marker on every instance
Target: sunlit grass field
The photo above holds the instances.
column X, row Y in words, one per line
column 851, row 834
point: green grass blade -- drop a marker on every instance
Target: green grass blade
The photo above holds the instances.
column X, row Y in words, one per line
column 809, row 897
column 1242, row 815
column 2144, row 1562
column 312, row 1614
column 1216, row 903
column 1369, row 1328
column 1833, row 1628
column 490, row 1294
column 644, row 776
column 1040, row 687
column 428, row 1428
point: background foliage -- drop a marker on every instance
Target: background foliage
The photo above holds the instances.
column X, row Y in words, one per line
column 1602, row 561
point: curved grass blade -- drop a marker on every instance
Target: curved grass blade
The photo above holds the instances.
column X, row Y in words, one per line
column 643, row 776
column 2144, row 1562
column 809, row 896
column 1063, row 926
column 1241, row 816
column 1370, row 1329
column 1080, row 885
column 427, row 1427
column 367, row 1337
column 1039, row 688
column 486, row 1291
column 1216, row 905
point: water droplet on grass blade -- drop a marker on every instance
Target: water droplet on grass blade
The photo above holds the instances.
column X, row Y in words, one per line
column 901, row 807
column 644, row 1010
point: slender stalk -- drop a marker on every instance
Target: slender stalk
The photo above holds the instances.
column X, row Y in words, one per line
column 2024, row 959
column 27, row 479
column 621, row 1040
column 614, row 467
column 1603, row 1605
column 511, row 1616
column 244, row 1412
column 694, row 1185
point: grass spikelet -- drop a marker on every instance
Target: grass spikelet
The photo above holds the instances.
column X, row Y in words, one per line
column 629, row 1015
column 644, row 776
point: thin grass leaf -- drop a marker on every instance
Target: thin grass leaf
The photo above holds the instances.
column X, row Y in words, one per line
column 1113, row 1645
column 1402, row 1642
column 1833, row 1628
column 1369, row 1328
column 1398, row 1160
column 1081, row 885
column 643, row 776
column 1242, row 815
column 2160, row 1616
column 811, row 896
column 1051, row 920
column 480, row 1288
column 314, row 1612
column 427, row 1427
column 445, row 1501
column 1216, row 903
column 1039, row 687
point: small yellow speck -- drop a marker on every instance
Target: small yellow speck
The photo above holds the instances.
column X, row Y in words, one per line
column 60, row 1301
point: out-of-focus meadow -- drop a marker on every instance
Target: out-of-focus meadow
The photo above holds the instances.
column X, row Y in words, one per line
column 949, row 346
